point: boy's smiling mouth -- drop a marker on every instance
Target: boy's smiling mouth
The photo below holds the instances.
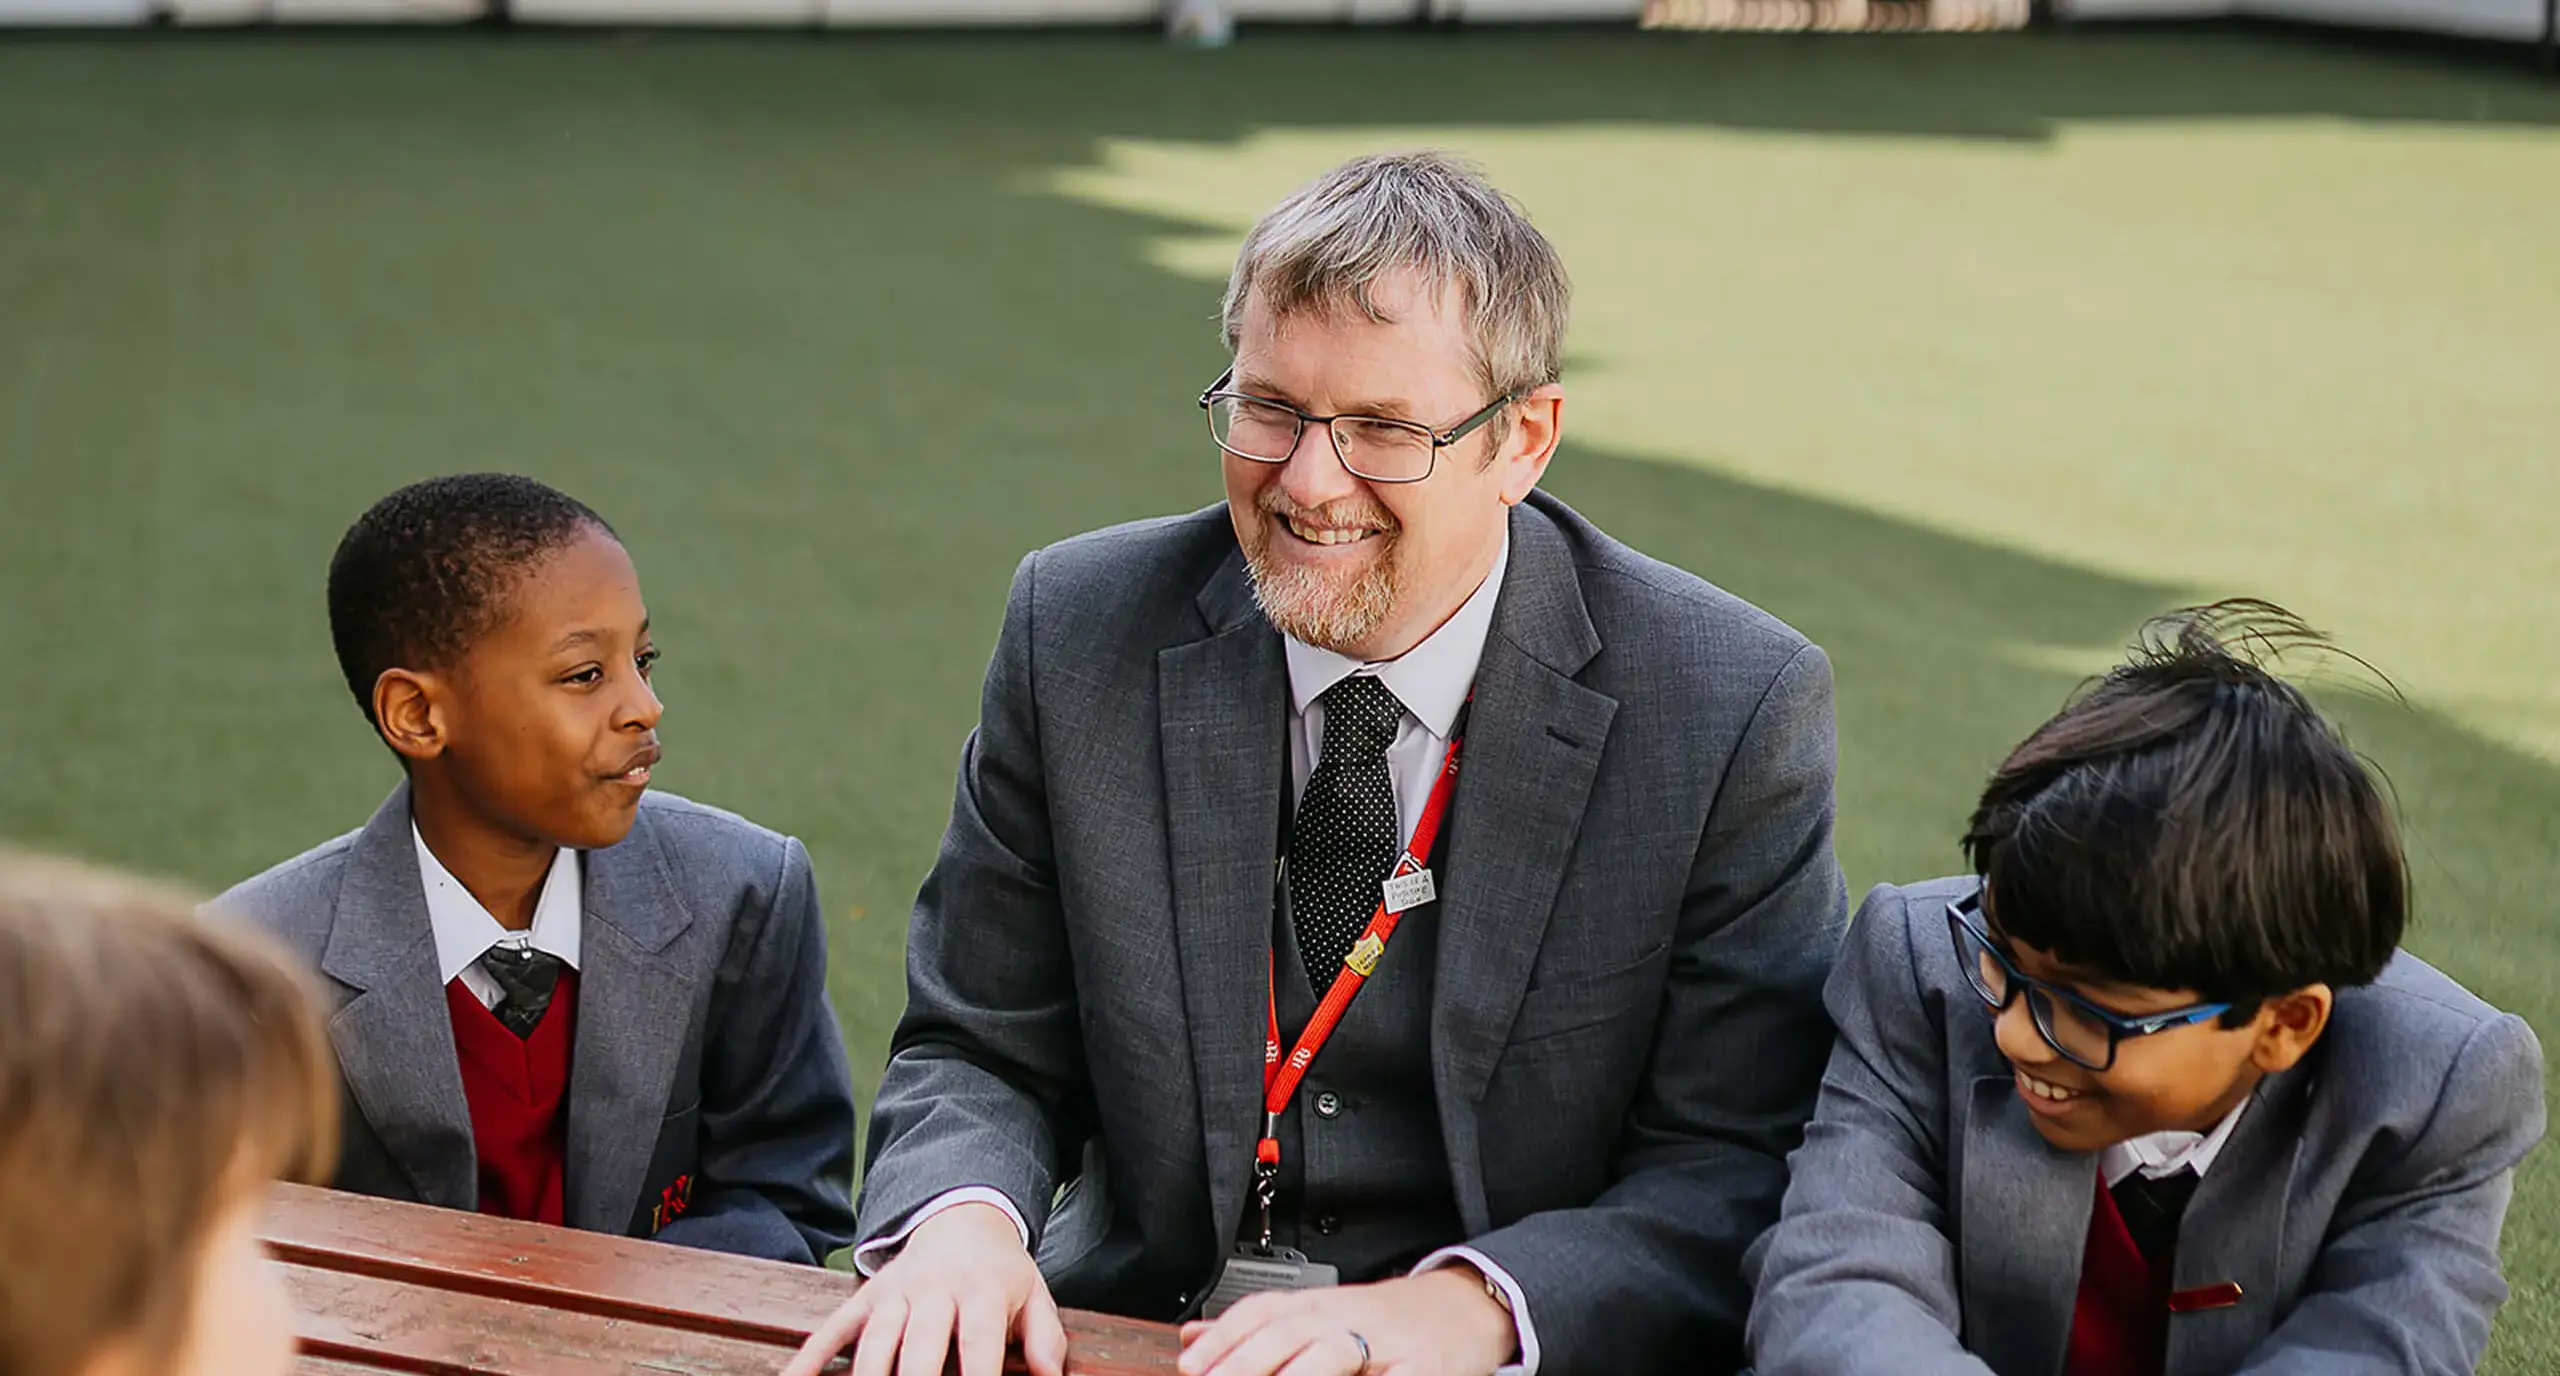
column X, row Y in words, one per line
column 2044, row 1096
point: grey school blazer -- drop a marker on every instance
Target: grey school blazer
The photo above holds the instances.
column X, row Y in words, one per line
column 1930, row 1231
column 708, row 1098
column 1638, row 906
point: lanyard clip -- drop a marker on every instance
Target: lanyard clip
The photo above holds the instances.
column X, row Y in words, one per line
column 1266, row 1177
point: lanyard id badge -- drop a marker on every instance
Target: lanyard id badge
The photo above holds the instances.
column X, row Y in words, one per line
column 1251, row 1270
column 1260, row 1265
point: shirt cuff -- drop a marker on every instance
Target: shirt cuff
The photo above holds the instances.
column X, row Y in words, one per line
column 871, row 1256
column 1469, row 1256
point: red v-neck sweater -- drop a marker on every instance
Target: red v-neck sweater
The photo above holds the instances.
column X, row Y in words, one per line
column 518, row 1089
column 2120, row 1322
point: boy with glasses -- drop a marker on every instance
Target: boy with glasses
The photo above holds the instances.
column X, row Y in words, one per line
column 2154, row 1092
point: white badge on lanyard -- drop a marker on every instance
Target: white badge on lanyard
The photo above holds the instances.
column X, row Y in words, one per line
column 1410, row 890
column 1251, row 1270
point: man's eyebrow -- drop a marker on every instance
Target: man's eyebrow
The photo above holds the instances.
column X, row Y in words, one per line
column 1385, row 408
column 1260, row 387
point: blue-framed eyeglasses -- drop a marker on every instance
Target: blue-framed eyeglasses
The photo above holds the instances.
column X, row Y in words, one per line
column 2082, row 1032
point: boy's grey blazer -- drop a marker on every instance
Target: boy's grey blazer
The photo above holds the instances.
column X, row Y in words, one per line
column 708, row 1069
column 2357, row 1203
column 1638, row 906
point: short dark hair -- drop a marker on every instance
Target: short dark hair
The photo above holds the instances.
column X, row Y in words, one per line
column 420, row 576
column 2191, row 821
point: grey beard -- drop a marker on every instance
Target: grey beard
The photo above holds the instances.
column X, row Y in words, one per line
column 1308, row 608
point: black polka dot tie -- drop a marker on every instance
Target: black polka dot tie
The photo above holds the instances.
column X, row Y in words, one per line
column 1343, row 841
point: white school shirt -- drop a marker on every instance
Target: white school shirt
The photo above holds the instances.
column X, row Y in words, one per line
column 464, row 929
column 2160, row 1154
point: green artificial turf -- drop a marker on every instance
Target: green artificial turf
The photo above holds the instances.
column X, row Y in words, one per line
column 1964, row 355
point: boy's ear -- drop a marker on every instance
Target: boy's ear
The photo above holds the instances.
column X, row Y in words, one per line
column 408, row 706
column 2290, row 1024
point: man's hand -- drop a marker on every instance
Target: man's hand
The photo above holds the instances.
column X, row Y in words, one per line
column 1439, row 1323
column 963, row 1280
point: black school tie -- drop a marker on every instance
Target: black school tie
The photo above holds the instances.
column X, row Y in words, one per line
column 2153, row 1208
column 1343, row 841
column 527, row 977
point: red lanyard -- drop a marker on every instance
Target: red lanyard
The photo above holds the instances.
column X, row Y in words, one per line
column 1280, row 1078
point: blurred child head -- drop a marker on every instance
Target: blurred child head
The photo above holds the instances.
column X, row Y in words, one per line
column 156, row 1072
column 493, row 632
column 2188, row 831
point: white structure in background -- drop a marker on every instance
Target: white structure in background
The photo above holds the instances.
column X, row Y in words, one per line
column 1202, row 23
column 2517, row 20
column 62, row 13
column 322, row 11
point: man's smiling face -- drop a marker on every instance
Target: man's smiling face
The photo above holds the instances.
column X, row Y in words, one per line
column 1367, row 569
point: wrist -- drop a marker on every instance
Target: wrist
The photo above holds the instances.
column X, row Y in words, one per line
column 1489, row 1333
column 970, row 1227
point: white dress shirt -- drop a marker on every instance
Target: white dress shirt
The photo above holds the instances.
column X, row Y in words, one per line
column 464, row 929
column 1432, row 681
column 2161, row 1154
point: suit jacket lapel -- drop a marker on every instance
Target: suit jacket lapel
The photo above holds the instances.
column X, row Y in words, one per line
column 2025, row 1224
column 1532, row 748
column 1222, row 705
column 394, row 1038
column 2233, row 1230
column 635, row 1013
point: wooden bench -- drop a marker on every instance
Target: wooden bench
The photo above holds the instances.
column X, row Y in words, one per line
column 387, row 1287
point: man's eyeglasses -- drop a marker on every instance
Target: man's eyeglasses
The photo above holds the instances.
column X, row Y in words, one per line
column 2084, row 1033
column 1378, row 449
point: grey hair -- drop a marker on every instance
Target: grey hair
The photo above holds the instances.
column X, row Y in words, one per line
column 1327, row 245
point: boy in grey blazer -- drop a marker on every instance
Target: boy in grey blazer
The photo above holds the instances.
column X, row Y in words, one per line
column 2154, row 1092
column 553, row 995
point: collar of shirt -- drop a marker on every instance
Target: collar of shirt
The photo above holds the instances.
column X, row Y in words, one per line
column 1432, row 679
column 464, row 929
column 2160, row 1154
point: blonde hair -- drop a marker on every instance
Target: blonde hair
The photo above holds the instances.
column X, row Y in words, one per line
column 1429, row 213
column 152, row 1068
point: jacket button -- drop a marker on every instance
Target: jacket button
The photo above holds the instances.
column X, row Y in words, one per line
column 1328, row 1225
column 1328, row 1105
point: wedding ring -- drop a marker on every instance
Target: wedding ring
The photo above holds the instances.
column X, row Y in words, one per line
column 1363, row 1368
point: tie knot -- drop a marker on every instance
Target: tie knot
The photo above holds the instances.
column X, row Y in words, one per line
column 527, row 977
column 1360, row 714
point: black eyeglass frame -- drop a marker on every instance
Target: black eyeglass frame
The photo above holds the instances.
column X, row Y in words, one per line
column 1961, row 925
column 1440, row 439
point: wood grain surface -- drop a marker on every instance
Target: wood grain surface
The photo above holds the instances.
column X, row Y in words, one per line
column 390, row 1287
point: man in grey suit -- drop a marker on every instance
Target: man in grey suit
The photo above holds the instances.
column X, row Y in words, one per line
column 2155, row 1093
column 1210, row 753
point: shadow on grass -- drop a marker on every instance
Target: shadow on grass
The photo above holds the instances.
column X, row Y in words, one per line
column 784, row 310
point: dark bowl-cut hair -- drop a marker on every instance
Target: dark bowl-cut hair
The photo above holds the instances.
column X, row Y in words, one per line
column 424, row 572
column 2191, row 821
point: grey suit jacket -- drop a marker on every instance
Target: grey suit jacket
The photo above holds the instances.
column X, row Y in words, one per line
column 1639, row 904
column 2357, row 1203
column 708, row 1072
